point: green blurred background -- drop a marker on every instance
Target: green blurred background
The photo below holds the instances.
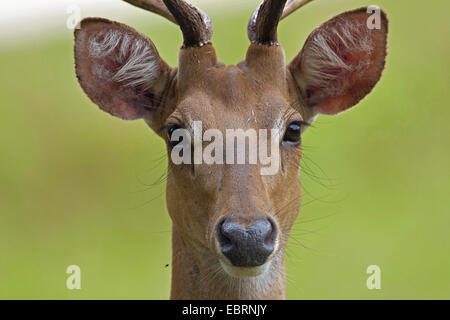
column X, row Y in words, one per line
column 80, row 187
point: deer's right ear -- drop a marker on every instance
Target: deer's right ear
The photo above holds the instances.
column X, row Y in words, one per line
column 119, row 69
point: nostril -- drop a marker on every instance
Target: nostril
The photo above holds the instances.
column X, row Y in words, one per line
column 269, row 240
column 224, row 240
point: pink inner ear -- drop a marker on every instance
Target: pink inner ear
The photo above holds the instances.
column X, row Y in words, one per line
column 331, row 105
column 117, row 67
column 122, row 58
column 341, row 62
column 345, row 79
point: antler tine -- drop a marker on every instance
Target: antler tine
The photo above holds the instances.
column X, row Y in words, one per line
column 156, row 6
column 194, row 23
column 262, row 27
column 293, row 5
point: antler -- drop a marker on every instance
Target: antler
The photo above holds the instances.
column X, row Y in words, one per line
column 262, row 27
column 194, row 23
column 156, row 6
column 293, row 5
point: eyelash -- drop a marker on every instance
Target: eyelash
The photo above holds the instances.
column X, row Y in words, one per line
column 170, row 128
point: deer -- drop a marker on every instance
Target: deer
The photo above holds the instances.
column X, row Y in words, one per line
column 230, row 223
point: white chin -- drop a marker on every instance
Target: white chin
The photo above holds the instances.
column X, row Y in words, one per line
column 244, row 272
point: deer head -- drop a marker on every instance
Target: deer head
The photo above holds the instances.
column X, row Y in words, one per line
column 231, row 224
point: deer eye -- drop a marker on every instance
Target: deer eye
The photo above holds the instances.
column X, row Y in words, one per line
column 170, row 130
column 293, row 132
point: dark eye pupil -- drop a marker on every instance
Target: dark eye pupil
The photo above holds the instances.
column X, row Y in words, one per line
column 293, row 132
column 170, row 131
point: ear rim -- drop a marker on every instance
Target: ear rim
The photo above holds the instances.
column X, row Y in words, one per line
column 314, row 110
column 140, row 112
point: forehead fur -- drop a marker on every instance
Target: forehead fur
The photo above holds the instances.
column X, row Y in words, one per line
column 233, row 99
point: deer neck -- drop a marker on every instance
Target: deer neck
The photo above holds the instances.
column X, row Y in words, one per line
column 195, row 277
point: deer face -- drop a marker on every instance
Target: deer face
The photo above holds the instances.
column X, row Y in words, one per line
column 241, row 218
column 231, row 214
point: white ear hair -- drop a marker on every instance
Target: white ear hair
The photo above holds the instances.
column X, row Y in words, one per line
column 323, row 61
column 137, row 60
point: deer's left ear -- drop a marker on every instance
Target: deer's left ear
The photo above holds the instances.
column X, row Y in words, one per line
column 341, row 61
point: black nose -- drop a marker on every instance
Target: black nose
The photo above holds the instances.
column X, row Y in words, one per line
column 246, row 247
